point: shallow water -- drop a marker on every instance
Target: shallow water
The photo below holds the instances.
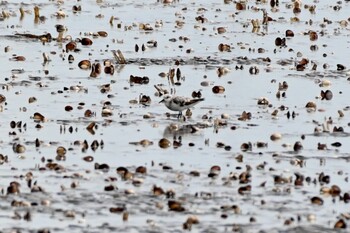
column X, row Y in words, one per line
column 271, row 205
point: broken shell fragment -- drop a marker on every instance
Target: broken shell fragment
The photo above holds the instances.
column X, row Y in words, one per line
column 86, row 41
column 106, row 112
column 256, row 24
column 3, row 159
column 221, row 30
column 68, row 108
column 71, row 46
column 189, row 222
column 214, row 171
column 224, row 48
column 340, row 67
column 222, row 71
column 326, row 95
column 102, row 33
column 39, row 117
column 313, row 35
column 88, row 113
column 70, row 58
column 141, row 170
column 340, row 224
column 19, row 148
column 18, row 58
column 88, row 158
column 2, row 99
column 245, row 116
column 297, row 146
column 218, row 89
column 246, row 146
column 109, row 188
column 145, row 27
column 175, row 206
column 104, row 167
column 275, row 136
column 311, row 105
column 280, row 41
column 117, row 209
column 340, row 113
column 263, row 101
column 245, row 189
column 164, row 143
column 7, row 49
column 76, row 9
column 146, row 142
column 109, row 70
column 13, row 188
column 84, row 64
column 289, row 33
column 316, row 200
column 325, row 83
column 241, row 5
column 138, row 79
column 61, row 151
column 254, row 70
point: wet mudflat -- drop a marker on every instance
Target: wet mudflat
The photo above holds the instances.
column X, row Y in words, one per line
column 87, row 147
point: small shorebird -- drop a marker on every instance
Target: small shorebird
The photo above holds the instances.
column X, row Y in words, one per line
column 179, row 103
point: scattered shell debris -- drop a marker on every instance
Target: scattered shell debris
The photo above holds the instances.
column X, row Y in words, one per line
column 88, row 145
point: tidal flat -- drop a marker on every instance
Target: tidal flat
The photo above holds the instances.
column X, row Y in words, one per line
column 86, row 145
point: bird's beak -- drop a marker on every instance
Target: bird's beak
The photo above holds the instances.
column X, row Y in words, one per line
column 161, row 101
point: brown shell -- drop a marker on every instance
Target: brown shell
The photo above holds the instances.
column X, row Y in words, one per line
column 86, row 41
column 71, row 46
column 102, row 33
column 84, row 64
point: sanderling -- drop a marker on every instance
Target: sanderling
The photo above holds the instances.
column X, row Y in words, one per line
column 179, row 103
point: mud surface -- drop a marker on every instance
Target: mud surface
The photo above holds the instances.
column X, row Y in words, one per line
column 84, row 150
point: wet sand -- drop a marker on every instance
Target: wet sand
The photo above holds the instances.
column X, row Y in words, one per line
column 82, row 153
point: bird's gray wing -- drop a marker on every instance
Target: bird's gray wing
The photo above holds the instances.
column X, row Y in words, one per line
column 192, row 102
column 180, row 101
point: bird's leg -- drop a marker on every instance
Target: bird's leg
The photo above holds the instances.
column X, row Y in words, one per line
column 179, row 115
